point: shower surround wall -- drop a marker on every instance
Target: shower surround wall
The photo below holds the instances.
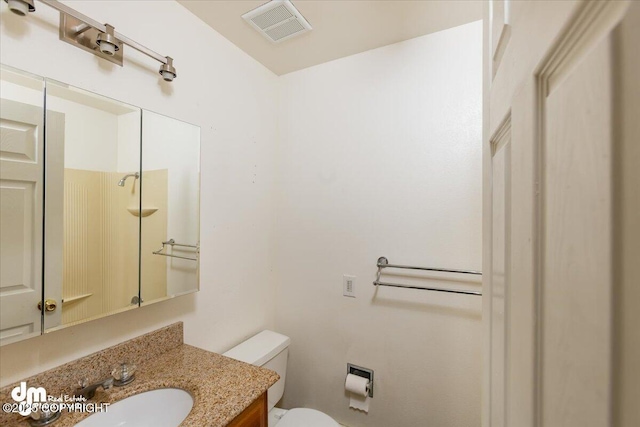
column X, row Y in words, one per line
column 100, row 268
column 380, row 155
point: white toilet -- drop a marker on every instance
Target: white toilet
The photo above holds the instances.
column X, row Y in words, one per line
column 270, row 350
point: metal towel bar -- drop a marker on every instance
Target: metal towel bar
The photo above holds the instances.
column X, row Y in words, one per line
column 384, row 263
column 173, row 243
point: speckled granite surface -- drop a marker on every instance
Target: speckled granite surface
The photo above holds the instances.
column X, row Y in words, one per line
column 221, row 387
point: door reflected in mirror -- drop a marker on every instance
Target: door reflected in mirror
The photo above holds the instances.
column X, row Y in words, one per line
column 92, row 225
column 21, row 203
column 170, row 211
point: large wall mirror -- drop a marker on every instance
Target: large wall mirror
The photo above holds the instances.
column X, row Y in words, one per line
column 99, row 214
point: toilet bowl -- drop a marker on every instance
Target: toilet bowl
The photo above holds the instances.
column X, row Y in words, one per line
column 304, row 417
column 270, row 350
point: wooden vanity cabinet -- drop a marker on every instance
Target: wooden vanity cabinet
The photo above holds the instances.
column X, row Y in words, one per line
column 256, row 415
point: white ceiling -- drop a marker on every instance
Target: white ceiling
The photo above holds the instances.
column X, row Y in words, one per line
column 340, row 27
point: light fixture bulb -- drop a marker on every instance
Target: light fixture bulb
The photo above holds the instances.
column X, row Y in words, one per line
column 167, row 75
column 107, row 48
column 168, row 71
column 21, row 7
column 107, row 41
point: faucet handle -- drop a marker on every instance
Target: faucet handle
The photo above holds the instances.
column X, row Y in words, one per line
column 40, row 417
column 123, row 374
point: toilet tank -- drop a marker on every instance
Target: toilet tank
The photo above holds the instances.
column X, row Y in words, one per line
column 269, row 350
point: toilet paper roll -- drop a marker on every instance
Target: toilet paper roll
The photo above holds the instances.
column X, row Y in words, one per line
column 358, row 388
column 357, row 385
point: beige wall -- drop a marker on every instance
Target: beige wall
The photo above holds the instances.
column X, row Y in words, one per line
column 380, row 155
column 233, row 99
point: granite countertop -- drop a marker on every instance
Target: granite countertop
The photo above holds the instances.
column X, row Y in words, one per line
column 221, row 387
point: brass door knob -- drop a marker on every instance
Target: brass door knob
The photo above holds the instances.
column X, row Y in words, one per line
column 49, row 305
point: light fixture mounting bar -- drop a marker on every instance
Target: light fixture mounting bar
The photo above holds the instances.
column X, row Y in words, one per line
column 83, row 36
column 62, row 8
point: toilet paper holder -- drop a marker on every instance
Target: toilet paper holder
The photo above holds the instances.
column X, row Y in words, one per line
column 362, row 372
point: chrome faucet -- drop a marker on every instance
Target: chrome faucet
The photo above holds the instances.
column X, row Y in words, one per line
column 88, row 391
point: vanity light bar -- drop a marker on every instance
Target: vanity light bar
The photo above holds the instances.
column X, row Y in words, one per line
column 75, row 28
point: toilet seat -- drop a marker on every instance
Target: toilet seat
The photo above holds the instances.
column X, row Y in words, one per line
column 303, row 417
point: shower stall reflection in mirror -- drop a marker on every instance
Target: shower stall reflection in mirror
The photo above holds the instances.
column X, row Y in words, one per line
column 106, row 210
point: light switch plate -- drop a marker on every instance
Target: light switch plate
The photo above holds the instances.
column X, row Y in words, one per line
column 349, row 286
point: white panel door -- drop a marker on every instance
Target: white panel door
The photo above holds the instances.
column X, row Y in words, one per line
column 562, row 105
column 21, row 201
column 501, row 202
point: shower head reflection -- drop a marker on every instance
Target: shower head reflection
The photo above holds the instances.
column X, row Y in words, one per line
column 124, row 178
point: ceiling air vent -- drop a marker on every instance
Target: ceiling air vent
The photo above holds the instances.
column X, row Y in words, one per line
column 277, row 20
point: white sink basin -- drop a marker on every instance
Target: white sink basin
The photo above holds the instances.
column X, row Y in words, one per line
column 165, row 407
